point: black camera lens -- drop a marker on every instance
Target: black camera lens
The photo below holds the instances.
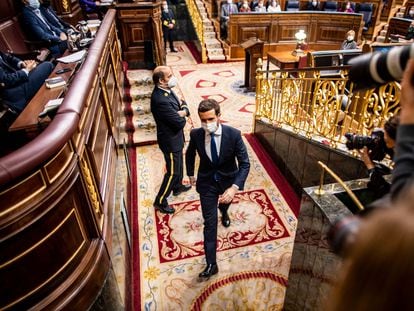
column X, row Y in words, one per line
column 374, row 69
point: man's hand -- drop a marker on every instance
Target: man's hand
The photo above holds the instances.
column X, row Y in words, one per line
column 407, row 95
column 171, row 26
column 228, row 195
column 29, row 65
column 63, row 36
column 192, row 180
column 364, row 154
column 182, row 113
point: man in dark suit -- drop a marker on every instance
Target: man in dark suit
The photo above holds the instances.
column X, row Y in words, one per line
column 20, row 80
column 224, row 166
column 51, row 16
column 41, row 29
column 168, row 26
column 169, row 113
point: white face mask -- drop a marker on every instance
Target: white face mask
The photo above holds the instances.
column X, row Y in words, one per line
column 165, row 8
column 172, row 82
column 229, row 1
column 314, row 3
column 210, row 127
column 245, row 5
column 35, row 4
column 350, row 38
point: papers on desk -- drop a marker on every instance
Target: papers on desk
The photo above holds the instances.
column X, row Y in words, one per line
column 93, row 22
column 51, row 83
column 51, row 105
column 72, row 58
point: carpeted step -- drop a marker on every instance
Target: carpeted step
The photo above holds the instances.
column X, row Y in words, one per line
column 209, row 35
column 212, row 44
column 209, row 28
column 215, row 54
column 380, row 39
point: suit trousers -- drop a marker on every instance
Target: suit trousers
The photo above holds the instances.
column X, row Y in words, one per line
column 209, row 205
column 168, row 36
column 17, row 97
column 173, row 177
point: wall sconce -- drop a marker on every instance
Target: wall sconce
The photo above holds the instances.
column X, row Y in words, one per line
column 301, row 45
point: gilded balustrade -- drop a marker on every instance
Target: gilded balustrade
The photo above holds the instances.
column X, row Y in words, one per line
column 197, row 20
column 321, row 107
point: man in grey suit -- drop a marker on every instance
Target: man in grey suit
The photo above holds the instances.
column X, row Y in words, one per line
column 226, row 9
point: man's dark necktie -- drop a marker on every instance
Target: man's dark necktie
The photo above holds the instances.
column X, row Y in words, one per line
column 214, row 154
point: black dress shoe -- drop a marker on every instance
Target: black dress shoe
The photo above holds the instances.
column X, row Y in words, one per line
column 181, row 189
column 174, row 50
column 225, row 219
column 210, row 270
column 166, row 209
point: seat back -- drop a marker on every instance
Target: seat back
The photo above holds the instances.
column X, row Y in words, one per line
column 366, row 9
column 292, row 5
column 13, row 40
column 331, row 6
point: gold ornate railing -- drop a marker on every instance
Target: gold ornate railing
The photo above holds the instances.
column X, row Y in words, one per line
column 198, row 26
column 322, row 107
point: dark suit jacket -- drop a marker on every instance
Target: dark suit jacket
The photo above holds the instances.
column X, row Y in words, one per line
column 38, row 29
column 167, row 18
column 53, row 18
column 164, row 107
column 233, row 166
column 10, row 73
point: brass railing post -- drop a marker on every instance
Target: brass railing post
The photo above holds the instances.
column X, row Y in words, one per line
column 341, row 182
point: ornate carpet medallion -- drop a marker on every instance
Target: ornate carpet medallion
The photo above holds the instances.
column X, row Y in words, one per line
column 254, row 220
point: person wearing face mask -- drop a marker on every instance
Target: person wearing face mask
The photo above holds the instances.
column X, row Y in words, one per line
column 51, row 16
column 226, row 9
column 313, row 6
column 349, row 43
column 245, row 7
column 348, row 8
column 170, row 116
column 274, row 7
column 260, row 7
column 168, row 26
column 223, row 169
column 41, row 29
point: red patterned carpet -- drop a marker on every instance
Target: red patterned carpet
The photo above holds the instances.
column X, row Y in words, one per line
column 254, row 253
column 254, row 219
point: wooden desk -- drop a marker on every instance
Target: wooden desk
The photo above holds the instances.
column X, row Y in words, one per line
column 283, row 60
column 28, row 119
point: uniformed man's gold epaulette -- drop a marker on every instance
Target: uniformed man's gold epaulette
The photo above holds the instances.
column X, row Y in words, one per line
column 165, row 23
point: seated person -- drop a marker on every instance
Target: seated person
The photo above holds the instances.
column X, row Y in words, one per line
column 348, row 8
column 261, row 8
column 52, row 17
column 274, row 7
column 226, row 9
column 90, row 7
column 20, row 80
column 41, row 29
column 254, row 4
column 349, row 43
column 245, row 7
column 407, row 38
column 313, row 6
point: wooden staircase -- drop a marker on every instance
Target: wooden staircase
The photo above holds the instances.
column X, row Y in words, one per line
column 214, row 48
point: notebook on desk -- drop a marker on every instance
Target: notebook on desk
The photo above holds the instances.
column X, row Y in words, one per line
column 72, row 58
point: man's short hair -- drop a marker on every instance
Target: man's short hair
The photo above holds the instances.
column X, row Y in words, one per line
column 157, row 76
column 208, row 104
